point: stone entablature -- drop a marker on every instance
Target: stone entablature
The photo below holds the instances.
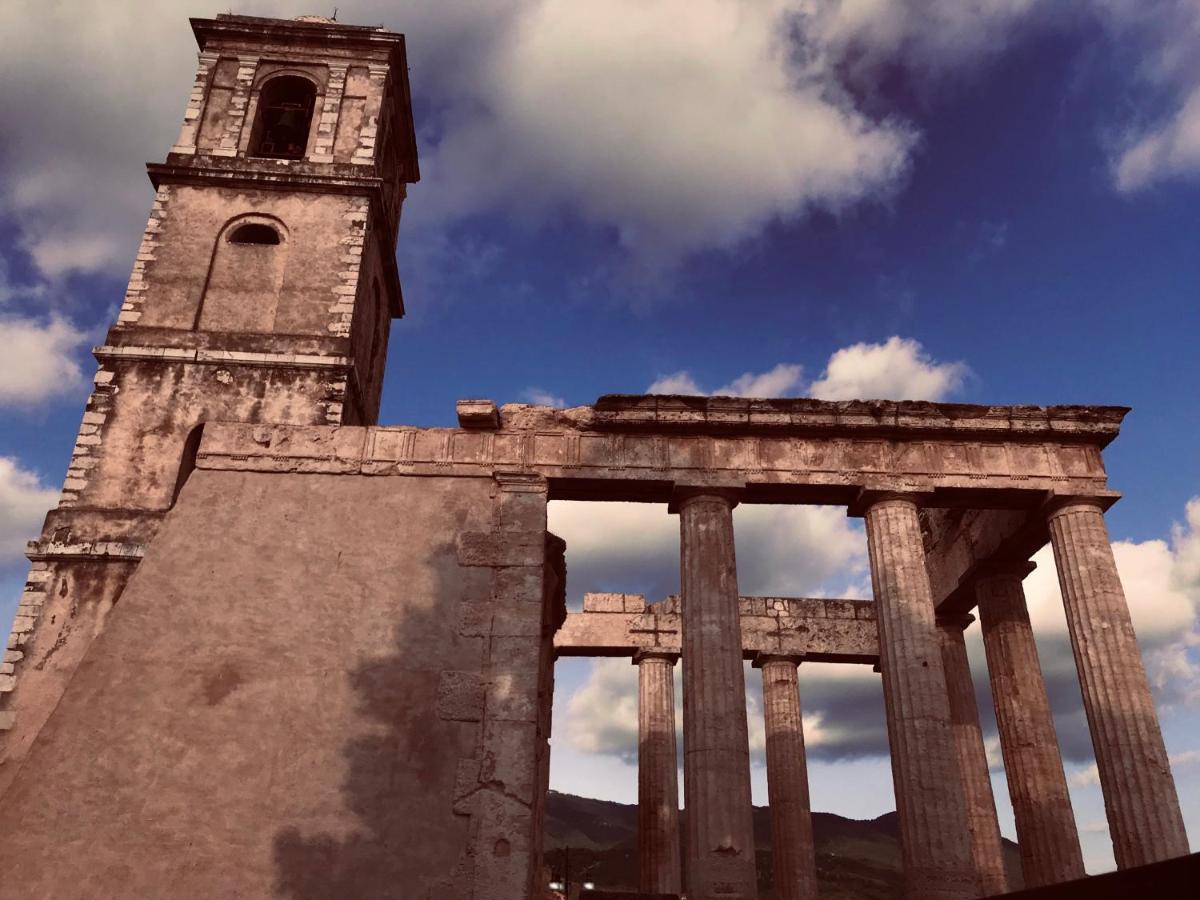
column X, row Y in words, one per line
column 828, row 454
column 817, row 630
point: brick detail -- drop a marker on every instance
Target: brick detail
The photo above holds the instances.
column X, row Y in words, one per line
column 87, row 445
column 33, row 598
column 364, row 153
column 194, row 113
column 236, row 135
column 327, row 116
column 135, row 293
column 341, row 309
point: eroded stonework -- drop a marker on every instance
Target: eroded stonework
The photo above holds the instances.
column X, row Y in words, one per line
column 270, row 648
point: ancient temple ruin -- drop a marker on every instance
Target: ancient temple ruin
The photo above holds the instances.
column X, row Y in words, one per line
column 269, row 647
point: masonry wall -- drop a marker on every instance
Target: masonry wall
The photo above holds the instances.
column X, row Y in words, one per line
column 301, row 693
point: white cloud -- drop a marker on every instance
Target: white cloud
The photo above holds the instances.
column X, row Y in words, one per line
column 1169, row 147
column 24, row 500
column 1169, row 150
column 676, row 383
column 898, row 369
column 38, row 362
column 782, row 381
column 541, row 397
column 602, row 714
column 677, row 125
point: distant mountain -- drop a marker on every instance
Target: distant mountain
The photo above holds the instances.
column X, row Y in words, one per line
column 855, row 859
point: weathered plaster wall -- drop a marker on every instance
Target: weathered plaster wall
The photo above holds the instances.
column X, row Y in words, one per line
column 180, row 271
column 266, row 711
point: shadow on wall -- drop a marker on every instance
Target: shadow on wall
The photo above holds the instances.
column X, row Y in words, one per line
column 400, row 772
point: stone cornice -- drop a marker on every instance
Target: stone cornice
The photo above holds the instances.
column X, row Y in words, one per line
column 285, row 175
column 97, row 550
column 293, row 32
column 109, row 354
column 1096, row 425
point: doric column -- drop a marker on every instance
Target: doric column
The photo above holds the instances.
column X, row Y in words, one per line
column 929, row 797
column 792, row 850
column 716, row 753
column 1046, row 833
column 1139, row 792
column 658, row 775
column 986, row 848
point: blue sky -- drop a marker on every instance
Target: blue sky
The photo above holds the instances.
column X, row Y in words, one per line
column 993, row 204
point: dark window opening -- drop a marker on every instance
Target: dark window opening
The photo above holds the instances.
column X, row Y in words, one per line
column 254, row 233
column 285, row 109
column 187, row 460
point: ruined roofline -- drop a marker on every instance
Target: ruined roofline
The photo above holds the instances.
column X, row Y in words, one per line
column 672, row 413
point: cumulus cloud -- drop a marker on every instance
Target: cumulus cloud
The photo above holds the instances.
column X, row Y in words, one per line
column 542, row 397
column 1167, row 147
column 676, row 125
column 675, row 138
column 39, row 360
column 24, row 500
column 1171, row 149
column 897, row 369
column 676, row 383
column 780, row 381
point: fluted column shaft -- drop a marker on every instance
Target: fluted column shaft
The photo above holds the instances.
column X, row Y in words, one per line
column 793, row 853
column 1046, row 832
column 929, row 797
column 659, row 864
column 986, row 847
column 716, row 753
column 1139, row 792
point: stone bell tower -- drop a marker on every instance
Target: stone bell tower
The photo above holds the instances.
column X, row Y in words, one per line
column 262, row 291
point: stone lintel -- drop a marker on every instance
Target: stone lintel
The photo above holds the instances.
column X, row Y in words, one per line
column 817, row 630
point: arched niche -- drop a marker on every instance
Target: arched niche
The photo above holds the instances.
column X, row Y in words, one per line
column 245, row 276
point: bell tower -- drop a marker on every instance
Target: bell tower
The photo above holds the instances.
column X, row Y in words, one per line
column 263, row 291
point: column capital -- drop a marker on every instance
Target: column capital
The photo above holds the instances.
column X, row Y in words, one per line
column 1004, row 569
column 641, row 656
column 763, row 659
column 958, row 621
column 1056, row 504
column 686, row 495
column 870, row 497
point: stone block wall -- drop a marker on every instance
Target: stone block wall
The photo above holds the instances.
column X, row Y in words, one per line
column 313, row 685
